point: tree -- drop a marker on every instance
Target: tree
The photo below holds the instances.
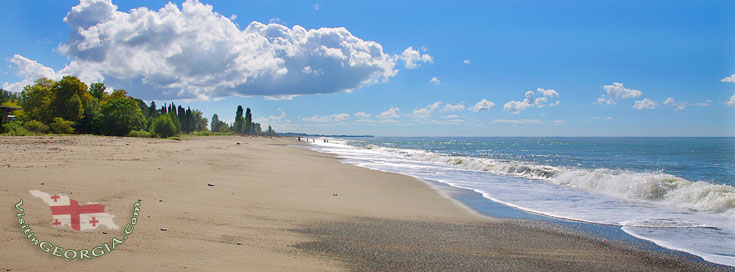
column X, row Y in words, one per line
column 215, row 123
column 164, row 127
column 248, row 122
column 120, row 115
column 97, row 90
column 238, row 120
column 270, row 132
column 91, row 122
column 119, row 93
column 36, row 99
column 152, row 110
column 68, row 98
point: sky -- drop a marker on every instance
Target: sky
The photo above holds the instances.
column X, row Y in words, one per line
column 398, row 68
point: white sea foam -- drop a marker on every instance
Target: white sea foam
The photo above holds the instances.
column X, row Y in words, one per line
column 693, row 216
column 650, row 186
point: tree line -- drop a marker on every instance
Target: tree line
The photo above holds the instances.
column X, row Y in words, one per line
column 70, row 106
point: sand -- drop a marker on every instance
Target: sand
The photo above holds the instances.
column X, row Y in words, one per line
column 273, row 206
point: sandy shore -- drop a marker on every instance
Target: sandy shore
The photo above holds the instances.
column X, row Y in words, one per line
column 272, row 207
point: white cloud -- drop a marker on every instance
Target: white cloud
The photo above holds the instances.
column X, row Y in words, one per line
column 414, row 58
column 450, row 107
column 393, row 112
column 518, row 122
column 451, row 116
column 279, row 97
column 730, row 79
column 425, row 112
column 608, row 118
column 277, row 118
column 645, row 104
column 233, row 17
column 615, row 92
column 316, row 6
column 434, row 81
column 531, row 100
column 482, row 105
column 466, row 61
column 704, row 104
column 337, row 117
column 731, row 102
column 558, row 122
column 192, row 52
column 670, row 101
column 362, row 115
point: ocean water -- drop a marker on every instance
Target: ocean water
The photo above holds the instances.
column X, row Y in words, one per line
column 676, row 192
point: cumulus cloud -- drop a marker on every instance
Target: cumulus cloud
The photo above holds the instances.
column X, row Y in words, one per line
column 730, row 79
column 466, row 61
column 413, row 58
column 450, row 107
column 435, row 81
column 337, row 117
column 558, row 122
column 644, row 104
column 531, row 100
column 393, row 112
column 362, row 115
column 615, row 92
column 316, row 6
column 482, row 105
column 425, row 112
column 192, row 52
column 731, row 102
column 518, row 121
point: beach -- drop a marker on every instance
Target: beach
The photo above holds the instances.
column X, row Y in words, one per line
column 266, row 204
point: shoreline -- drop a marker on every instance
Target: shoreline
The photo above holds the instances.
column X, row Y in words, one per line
column 273, row 206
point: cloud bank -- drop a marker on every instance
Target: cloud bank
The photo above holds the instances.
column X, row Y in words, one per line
column 192, row 52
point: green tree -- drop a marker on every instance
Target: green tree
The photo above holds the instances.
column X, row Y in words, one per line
column 215, row 123
column 97, row 90
column 164, row 127
column 248, row 122
column 120, row 115
column 68, row 98
column 36, row 99
column 238, row 126
column 91, row 122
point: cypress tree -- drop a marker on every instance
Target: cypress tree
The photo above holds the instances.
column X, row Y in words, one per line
column 248, row 122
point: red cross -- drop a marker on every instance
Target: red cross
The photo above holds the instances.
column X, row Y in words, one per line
column 74, row 210
column 55, row 197
column 94, row 222
column 56, row 222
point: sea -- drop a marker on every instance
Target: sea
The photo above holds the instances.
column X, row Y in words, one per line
column 678, row 193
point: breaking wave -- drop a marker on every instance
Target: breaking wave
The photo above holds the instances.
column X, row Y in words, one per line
column 659, row 187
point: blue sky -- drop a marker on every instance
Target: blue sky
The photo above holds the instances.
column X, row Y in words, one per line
column 391, row 68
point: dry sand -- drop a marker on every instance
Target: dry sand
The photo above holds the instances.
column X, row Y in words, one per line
column 289, row 208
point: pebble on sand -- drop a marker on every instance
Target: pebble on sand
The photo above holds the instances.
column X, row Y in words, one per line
column 210, row 184
column 164, row 229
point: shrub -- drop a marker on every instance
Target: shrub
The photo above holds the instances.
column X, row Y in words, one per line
column 35, row 126
column 164, row 127
column 61, row 126
column 15, row 128
column 139, row 134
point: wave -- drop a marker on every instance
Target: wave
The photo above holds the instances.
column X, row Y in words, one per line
column 692, row 196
